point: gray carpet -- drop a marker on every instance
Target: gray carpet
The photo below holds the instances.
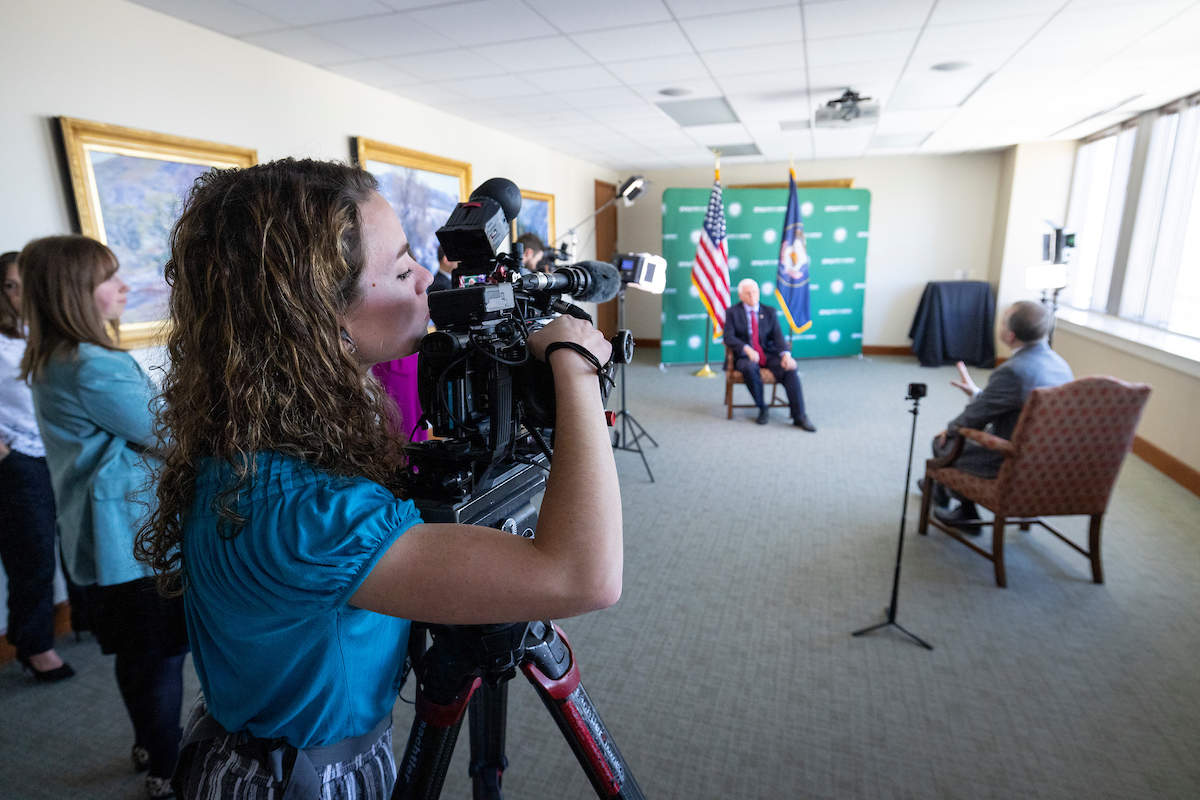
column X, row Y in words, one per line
column 727, row 669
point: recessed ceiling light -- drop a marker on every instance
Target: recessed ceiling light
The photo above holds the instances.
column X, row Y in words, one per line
column 951, row 66
column 736, row 149
column 675, row 91
column 705, row 111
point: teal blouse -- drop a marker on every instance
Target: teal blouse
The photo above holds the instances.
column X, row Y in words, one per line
column 90, row 407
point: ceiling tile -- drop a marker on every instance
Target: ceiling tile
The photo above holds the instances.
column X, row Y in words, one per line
column 307, row 12
column 491, row 87
column 853, row 17
column 637, row 41
column 602, row 97
column 571, row 78
column 663, row 69
column 428, row 93
column 571, row 16
column 222, row 16
column 485, row 21
column 745, row 28
column 853, row 49
column 934, row 90
column 839, row 77
column 389, row 35
column 375, row 73
column 907, row 121
column 701, row 87
column 953, row 11
column 730, row 133
column 775, row 86
column 685, row 9
column 446, row 65
column 546, row 52
column 758, row 59
column 999, row 34
column 304, row 46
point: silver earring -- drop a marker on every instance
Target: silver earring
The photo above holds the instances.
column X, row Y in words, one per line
column 349, row 341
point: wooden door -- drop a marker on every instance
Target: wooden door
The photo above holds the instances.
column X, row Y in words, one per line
column 606, row 246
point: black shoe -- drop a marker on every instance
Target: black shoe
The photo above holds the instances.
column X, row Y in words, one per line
column 804, row 424
column 960, row 518
column 51, row 675
column 764, row 416
column 941, row 495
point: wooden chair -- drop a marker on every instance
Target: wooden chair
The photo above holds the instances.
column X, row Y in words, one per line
column 733, row 377
column 1063, row 459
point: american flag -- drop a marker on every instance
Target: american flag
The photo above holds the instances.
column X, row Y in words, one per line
column 711, row 272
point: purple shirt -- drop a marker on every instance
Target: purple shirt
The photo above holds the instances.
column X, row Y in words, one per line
column 399, row 379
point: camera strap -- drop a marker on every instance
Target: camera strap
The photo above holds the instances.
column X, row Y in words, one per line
column 604, row 371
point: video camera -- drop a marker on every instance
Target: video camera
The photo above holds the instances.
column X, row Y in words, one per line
column 485, row 395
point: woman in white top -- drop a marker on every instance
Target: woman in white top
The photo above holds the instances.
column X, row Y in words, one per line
column 27, row 524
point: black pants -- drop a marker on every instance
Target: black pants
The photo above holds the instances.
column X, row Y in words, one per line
column 789, row 378
column 152, row 687
column 27, row 531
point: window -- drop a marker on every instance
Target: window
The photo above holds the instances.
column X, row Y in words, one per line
column 1096, row 208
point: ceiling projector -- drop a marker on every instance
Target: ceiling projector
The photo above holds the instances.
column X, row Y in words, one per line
column 847, row 111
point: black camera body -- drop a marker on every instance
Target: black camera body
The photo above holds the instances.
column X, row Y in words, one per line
column 490, row 402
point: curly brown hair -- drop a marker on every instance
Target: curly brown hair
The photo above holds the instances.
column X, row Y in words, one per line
column 264, row 260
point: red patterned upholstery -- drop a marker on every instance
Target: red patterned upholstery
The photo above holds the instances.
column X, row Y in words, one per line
column 1064, row 457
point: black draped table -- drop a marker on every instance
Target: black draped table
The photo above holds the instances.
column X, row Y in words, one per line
column 954, row 322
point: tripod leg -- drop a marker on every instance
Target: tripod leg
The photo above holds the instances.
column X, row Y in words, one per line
column 552, row 669
column 445, row 683
column 487, row 712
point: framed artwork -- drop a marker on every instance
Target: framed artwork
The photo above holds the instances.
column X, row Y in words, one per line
column 423, row 189
column 537, row 215
column 128, row 187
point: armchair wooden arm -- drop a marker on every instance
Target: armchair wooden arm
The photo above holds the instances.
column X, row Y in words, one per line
column 990, row 441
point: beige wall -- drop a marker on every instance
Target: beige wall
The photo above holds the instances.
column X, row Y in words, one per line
column 1169, row 419
column 930, row 216
column 117, row 62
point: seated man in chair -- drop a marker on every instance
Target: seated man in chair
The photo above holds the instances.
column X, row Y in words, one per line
column 752, row 332
column 1032, row 365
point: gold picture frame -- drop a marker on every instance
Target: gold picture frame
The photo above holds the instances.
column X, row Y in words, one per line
column 139, row 179
column 422, row 189
column 537, row 216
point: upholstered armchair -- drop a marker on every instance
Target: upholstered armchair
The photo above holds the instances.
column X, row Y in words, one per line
column 1063, row 459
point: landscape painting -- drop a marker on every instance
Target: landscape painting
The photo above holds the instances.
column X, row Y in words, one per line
column 140, row 199
column 537, row 215
column 423, row 190
column 129, row 186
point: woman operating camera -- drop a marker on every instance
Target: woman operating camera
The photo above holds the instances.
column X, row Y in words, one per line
column 278, row 498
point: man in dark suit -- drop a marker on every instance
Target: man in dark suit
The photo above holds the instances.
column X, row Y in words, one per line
column 996, row 408
column 441, row 278
column 752, row 332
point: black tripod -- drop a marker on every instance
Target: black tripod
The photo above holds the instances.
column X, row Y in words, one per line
column 915, row 392
column 470, row 666
column 630, row 433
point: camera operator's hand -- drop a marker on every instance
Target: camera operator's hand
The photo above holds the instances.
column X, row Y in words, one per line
column 570, row 329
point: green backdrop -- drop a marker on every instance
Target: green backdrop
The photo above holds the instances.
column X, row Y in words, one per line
column 836, row 223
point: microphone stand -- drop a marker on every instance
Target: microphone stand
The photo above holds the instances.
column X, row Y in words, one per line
column 891, row 611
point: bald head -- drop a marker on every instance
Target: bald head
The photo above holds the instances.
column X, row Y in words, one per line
column 1029, row 321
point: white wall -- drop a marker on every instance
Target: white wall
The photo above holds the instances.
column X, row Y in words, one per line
column 116, row 62
column 930, row 216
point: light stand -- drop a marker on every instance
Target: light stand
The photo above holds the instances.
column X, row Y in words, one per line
column 628, row 424
column 915, row 392
column 628, row 192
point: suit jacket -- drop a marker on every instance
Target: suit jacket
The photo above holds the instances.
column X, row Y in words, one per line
column 1000, row 403
column 96, row 413
column 440, row 281
column 737, row 331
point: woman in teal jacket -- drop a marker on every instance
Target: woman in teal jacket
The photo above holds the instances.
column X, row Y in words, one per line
column 95, row 407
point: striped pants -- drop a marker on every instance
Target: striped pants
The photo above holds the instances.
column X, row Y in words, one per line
column 217, row 772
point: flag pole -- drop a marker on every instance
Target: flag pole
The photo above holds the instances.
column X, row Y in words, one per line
column 705, row 372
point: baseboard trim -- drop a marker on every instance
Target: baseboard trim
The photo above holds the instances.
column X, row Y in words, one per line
column 62, row 625
column 1185, row 475
column 886, row 350
column 647, row 342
